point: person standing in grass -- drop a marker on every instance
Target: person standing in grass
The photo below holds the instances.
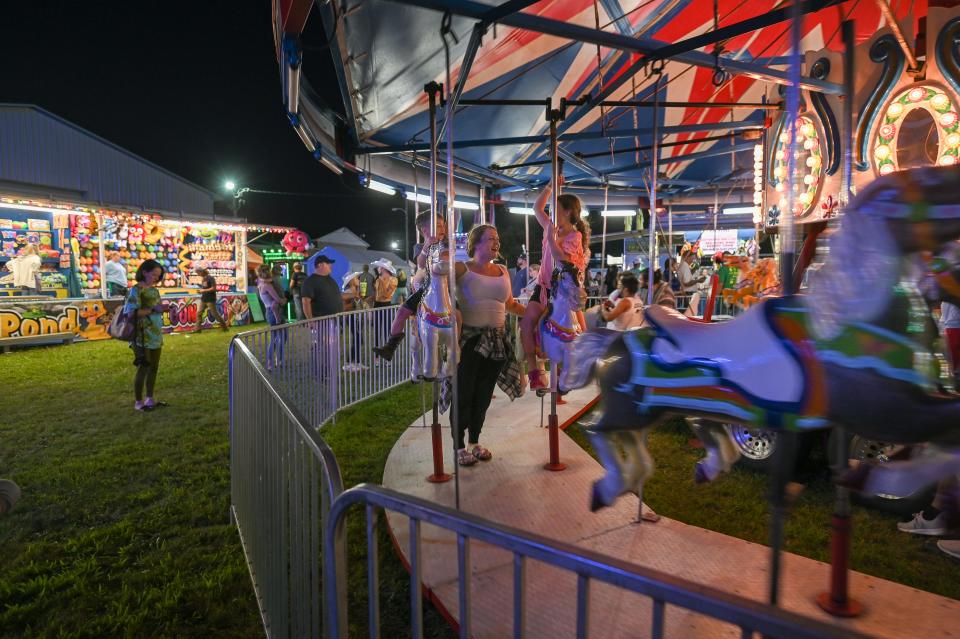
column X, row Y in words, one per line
column 144, row 303
column 208, row 300
column 273, row 304
column 296, row 281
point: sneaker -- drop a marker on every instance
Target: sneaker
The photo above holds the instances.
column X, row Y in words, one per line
column 465, row 457
column 950, row 547
column 919, row 525
column 481, row 453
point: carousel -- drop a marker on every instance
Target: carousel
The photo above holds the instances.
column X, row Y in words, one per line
column 832, row 130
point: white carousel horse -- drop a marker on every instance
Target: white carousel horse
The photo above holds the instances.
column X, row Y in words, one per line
column 435, row 318
column 559, row 326
column 857, row 352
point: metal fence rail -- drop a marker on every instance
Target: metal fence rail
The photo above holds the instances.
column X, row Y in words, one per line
column 664, row 590
column 283, row 480
column 326, row 364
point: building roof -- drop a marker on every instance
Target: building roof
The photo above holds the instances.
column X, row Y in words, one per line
column 46, row 155
column 342, row 236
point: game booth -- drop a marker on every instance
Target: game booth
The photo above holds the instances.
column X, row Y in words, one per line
column 74, row 243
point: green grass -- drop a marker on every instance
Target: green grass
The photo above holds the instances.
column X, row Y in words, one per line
column 123, row 527
column 736, row 505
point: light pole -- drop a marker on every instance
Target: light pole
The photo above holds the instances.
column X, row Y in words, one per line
column 406, row 229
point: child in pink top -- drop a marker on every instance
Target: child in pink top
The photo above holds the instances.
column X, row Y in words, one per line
column 568, row 241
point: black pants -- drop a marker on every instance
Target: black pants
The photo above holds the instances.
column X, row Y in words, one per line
column 147, row 373
column 476, row 379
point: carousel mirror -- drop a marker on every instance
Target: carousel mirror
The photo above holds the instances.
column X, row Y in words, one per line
column 918, row 140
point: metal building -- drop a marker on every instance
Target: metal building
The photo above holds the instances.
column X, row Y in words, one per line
column 43, row 155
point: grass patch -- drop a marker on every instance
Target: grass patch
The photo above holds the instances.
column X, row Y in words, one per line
column 736, row 505
column 123, row 527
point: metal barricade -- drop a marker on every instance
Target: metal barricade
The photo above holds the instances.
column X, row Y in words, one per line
column 325, row 364
column 283, row 480
column 664, row 590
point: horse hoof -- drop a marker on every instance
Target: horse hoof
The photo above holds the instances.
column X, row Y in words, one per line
column 700, row 474
column 596, row 502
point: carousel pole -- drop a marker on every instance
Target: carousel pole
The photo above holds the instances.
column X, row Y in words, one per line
column 553, row 423
column 837, row 601
column 438, row 476
column 657, row 70
column 603, row 238
column 482, row 211
column 785, row 453
column 453, row 350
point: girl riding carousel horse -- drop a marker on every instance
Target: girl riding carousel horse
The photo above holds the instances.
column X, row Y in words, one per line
column 567, row 241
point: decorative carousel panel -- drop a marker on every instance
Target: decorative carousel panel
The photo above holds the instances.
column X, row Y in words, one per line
column 920, row 127
column 810, row 166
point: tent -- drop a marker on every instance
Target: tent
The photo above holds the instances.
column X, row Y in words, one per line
column 350, row 253
column 597, row 62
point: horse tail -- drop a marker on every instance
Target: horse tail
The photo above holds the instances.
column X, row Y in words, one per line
column 586, row 350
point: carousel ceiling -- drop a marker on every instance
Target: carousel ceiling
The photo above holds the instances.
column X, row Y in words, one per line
column 583, row 52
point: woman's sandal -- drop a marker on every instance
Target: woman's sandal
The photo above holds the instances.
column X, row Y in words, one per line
column 465, row 457
column 481, row 453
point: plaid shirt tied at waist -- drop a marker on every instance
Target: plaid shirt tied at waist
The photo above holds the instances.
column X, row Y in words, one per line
column 497, row 344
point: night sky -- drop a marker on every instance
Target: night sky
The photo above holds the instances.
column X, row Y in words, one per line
column 193, row 87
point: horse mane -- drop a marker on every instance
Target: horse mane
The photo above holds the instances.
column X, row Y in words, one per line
column 857, row 279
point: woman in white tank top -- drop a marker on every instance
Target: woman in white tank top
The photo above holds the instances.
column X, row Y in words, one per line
column 628, row 311
column 484, row 297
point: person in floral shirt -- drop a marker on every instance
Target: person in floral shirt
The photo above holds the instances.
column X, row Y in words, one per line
column 143, row 301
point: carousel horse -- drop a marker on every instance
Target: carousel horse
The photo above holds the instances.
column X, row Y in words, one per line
column 559, row 326
column 857, row 352
column 435, row 317
column 753, row 282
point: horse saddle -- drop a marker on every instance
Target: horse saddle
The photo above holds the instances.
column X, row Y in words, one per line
column 745, row 353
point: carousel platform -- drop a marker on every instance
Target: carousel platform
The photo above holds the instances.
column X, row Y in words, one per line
column 513, row 489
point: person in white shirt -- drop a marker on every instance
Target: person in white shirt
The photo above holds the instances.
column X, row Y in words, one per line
column 689, row 282
column 116, row 276
column 627, row 312
column 26, row 269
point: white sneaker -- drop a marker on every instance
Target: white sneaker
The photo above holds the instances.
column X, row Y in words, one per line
column 922, row 526
column 951, row 547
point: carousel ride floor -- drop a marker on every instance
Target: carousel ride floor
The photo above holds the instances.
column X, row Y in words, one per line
column 513, row 489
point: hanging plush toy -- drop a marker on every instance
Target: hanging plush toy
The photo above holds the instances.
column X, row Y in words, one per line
column 295, row 242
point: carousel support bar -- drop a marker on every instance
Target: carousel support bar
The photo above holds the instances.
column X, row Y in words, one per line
column 837, row 600
column 631, row 44
column 578, row 162
column 743, row 125
column 753, row 106
column 476, row 39
column 553, row 423
column 913, row 65
column 439, row 476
